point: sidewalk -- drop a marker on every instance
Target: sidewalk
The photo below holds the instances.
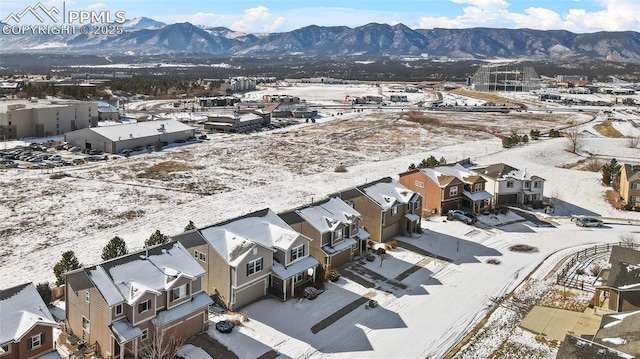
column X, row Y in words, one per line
column 556, row 323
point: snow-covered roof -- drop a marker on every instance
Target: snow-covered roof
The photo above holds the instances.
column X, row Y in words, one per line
column 477, row 196
column 501, row 172
column 21, row 308
column 387, row 193
column 295, row 268
column 443, row 175
column 264, row 228
column 140, row 129
column 325, row 216
column 231, row 246
column 197, row 302
column 124, row 331
column 347, row 242
column 153, row 270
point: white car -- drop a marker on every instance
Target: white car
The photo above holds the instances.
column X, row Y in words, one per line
column 588, row 222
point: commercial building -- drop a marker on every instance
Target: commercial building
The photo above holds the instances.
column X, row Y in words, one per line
column 114, row 139
column 41, row 118
column 504, row 78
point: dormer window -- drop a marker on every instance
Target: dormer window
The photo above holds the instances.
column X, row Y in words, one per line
column 509, row 184
column 394, row 210
column 477, row 187
column 297, row 252
column 453, row 191
column 180, row 292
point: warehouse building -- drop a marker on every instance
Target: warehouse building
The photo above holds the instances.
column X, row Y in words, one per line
column 115, row 139
column 43, row 118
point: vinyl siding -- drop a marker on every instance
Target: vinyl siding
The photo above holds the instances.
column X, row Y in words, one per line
column 267, row 261
column 21, row 350
column 371, row 216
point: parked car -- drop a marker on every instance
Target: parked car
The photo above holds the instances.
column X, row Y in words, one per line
column 588, row 222
column 460, row 216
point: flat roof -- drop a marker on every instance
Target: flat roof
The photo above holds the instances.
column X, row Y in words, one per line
column 139, row 129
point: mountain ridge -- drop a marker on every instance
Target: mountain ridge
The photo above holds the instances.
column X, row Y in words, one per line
column 145, row 36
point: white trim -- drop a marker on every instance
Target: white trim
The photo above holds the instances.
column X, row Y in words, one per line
column 39, row 336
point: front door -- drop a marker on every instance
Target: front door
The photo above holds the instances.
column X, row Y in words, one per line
column 116, row 348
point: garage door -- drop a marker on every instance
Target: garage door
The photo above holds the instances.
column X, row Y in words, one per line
column 341, row 258
column 248, row 294
column 508, row 198
column 189, row 327
column 446, row 206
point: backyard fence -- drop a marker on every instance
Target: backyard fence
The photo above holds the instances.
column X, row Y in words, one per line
column 565, row 275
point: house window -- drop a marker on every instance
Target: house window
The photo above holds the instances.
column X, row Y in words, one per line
column 254, row 266
column 477, row 187
column 118, row 309
column 337, row 234
column 298, row 277
column 297, row 252
column 86, row 324
column 354, row 228
column 145, row 334
column 536, row 184
column 35, row 341
column 195, row 254
column 635, row 199
column 394, row 210
column 453, row 191
column 180, row 292
column 509, row 184
column 203, row 257
column 144, row 306
column 419, row 184
column 635, row 186
column 527, row 184
column 87, row 296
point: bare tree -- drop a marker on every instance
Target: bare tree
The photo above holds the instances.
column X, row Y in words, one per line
column 161, row 345
column 634, row 141
column 628, row 240
column 575, row 140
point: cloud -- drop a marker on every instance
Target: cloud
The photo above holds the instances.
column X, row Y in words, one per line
column 613, row 15
column 199, row 18
column 257, row 18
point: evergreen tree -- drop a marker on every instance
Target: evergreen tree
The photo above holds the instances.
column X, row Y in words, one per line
column 610, row 172
column 431, row 161
column 68, row 263
column 156, row 238
column 412, row 166
column 116, row 247
column 190, row 226
column 158, row 145
column 45, row 292
column 442, row 161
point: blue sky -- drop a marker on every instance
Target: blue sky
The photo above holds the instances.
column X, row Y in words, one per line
column 285, row 15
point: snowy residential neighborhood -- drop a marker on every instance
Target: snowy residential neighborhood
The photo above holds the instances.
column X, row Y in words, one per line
column 396, row 229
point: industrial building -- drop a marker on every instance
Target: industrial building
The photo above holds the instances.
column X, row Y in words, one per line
column 504, row 78
column 116, row 138
column 236, row 122
column 42, row 118
column 217, row 101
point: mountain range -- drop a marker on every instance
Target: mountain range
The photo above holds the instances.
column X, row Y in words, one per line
column 143, row 36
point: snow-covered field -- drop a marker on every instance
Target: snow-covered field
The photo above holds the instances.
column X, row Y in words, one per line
column 231, row 175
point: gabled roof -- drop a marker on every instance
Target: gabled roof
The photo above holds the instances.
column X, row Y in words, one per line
column 152, row 270
column 501, row 171
column 387, row 192
column 232, row 239
column 633, row 172
column 21, row 308
column 325, row 216
column 444, row 176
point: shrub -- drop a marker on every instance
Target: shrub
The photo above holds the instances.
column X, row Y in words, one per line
column 341, row 169
column 59, row 175
column 522, row 248
column 494, row 261
column 595, row 269
column 580, row 271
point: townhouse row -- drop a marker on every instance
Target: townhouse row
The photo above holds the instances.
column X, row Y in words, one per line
column 119, row 306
